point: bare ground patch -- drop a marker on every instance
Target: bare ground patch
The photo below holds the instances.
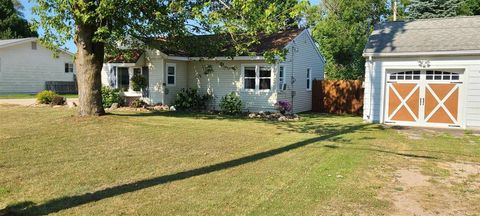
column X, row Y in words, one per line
column 435, row 188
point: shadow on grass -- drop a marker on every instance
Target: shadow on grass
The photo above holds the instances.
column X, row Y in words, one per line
column 62, row 203
column 382, row 151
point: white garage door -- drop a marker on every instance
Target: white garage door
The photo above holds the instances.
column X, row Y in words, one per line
column 423, row 98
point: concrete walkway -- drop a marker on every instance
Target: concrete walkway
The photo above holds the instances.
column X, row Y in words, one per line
column 29, row 102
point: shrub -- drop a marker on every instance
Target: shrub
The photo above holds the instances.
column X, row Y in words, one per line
column 137, row 103
column 231, row 104
column 138, row 82
column 45, row 97
column 58, row 100
column 110, row 96
column 190, row 99
column 283, row 106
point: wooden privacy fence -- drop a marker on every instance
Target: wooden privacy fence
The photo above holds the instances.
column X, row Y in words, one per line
column 62, row 87
column 337, row 96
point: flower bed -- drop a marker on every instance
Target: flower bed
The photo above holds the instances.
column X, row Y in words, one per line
column 273, row 116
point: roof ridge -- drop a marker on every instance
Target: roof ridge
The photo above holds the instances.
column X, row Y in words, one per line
column 436, row 18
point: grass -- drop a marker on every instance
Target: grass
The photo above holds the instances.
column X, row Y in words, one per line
column 175, row 163
column 31, row 96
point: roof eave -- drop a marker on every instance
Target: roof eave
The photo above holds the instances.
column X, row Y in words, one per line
column 434, row 53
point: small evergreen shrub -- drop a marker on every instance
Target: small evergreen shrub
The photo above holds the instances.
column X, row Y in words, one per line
column 231, row 104
column 138, row 103
column 45, row 97
column 58, row 100
column 190, row 99
column 138, row 82
column 110, row 96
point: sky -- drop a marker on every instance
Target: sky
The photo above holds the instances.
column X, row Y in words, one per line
column 27, row 12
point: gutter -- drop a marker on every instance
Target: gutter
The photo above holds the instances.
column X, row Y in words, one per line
column 415, row 54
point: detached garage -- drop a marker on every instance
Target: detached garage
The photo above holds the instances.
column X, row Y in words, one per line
column 26, row 66
column 424, row 73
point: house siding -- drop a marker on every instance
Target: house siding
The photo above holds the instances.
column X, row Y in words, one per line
column 469, row 95
column 23, row 70
column 302, row 54
column 180, row 80
column 228, row 78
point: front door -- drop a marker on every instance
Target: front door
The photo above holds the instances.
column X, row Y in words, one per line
column 423, row 98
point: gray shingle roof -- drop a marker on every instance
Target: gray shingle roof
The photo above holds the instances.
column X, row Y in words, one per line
column 428, row 35
column 13, row 41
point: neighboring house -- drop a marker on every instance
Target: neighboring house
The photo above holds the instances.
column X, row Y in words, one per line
column 25, row 66
column 260, row 85
column 424, row 73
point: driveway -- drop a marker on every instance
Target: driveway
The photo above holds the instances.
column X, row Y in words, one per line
column 30, row 101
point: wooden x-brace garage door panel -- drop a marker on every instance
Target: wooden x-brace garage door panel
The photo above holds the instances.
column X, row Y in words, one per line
column 403, row 102
column 441, row 103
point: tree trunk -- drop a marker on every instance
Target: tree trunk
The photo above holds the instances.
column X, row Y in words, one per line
column 89, row 62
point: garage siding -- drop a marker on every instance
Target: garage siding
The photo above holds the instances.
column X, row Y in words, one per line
column 23, row 70
column 470, row 96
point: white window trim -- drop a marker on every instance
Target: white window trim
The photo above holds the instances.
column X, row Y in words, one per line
column 174, row 74
column 309, row 79
column 257, row 77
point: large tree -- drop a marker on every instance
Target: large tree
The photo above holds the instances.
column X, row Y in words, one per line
column 424, row 9
column 12, row 24
column 342, row 30
column 98, row 24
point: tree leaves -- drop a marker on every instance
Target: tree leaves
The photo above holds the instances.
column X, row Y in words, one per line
column 12, row 24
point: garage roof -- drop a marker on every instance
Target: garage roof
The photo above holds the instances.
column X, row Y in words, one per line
column 447, row 35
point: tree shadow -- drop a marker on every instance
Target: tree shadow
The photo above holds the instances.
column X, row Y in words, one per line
column 382, row 151
column 62, row 203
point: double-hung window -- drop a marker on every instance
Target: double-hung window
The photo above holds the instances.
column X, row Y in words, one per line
column 68, row 68
column 249, row 78
column 171, row 74
column 281, row 77
column 257, row 77
column 309, row 79
column 265, row 77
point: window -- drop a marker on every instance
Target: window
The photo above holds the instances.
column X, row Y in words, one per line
column 405, row 75
column 442, row 75
column 123, row 78
column 137, row 71
column 34, row 45
column 265, row 78
column 249, row 78
column 309, row 79
column 68, row 68
column 281, row 77
column 171, row 74
column 257, row 78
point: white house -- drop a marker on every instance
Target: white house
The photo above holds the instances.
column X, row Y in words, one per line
column 260, row 85
column 25, row 66
column 424, row 73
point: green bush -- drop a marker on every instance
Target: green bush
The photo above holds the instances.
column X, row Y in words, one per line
column 58, row 100
column 137, row 103
column 46, row 96
column 138, row 82
column 231, row 104
column 190, row 99
column 110, row 96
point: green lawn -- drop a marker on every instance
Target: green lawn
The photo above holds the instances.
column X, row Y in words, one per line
column 180, row 164
column 29, row 96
